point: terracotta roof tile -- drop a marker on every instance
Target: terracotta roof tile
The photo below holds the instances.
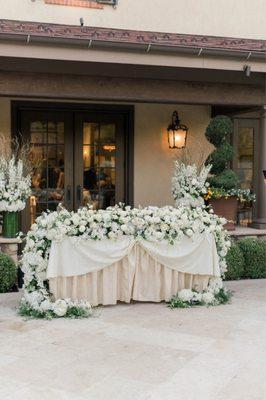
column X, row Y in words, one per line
column 86, row 33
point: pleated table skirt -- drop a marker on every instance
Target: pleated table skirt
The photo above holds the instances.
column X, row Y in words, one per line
column 148, row 281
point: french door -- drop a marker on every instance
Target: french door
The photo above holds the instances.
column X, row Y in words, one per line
column 78, row 158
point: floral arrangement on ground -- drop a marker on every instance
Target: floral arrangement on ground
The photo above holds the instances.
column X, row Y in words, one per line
column 215, row 295
column 151, row 223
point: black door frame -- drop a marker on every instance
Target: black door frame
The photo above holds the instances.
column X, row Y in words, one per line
column 127, row 111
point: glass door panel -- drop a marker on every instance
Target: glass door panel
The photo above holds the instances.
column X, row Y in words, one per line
column 244, row 163
column 245, row 156
column 99, row 155
column 48, row 135
column 101, row 175
column 48, row 158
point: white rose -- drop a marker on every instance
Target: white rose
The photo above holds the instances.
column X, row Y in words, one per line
column 82, row 228
column 51, row 234
column 60, row 308
column 46, row 305
column 197, row 296
column 185, row 295
column 75, row 219
column 33, row 298
column 112, row 235
column 208, row 297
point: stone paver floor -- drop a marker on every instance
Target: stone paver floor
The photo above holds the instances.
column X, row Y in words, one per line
column 140, row 351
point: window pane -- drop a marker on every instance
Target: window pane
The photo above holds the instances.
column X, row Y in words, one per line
column 244, row 164
column 56, row 132
column 107, row 156
column 38, row 132
column 90, row 133
column 90, row 157
column 99, row 165
column 48, row 166
column 245, row 156
column 107, row 133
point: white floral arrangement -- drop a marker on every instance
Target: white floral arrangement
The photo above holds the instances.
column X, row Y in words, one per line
column 15, row 186
column 151, row 223
column 189, row 184
column 214, row 295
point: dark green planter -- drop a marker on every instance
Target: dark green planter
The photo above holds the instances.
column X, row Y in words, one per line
column 10, row 224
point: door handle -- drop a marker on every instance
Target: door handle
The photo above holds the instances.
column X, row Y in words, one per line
column 78, row 195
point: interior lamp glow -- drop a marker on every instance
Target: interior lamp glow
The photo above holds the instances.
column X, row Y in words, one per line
column 177, row 133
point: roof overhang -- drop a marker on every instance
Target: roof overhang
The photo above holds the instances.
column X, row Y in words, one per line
column 73, row 42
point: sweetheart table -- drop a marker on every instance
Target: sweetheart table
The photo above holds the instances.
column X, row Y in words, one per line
column 107, row 271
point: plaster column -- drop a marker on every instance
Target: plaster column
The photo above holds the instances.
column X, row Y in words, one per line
column 260, row 221
column 10, row 247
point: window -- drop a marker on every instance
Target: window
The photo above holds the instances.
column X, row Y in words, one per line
column 76, row 3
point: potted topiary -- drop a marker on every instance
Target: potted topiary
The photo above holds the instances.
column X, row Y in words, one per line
column 223, row 191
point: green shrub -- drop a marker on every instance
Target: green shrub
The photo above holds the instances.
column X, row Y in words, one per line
column 235, row 263
column 218, row 133
column 8, row 273
column 219, row 129
column 221, row 157
column 226, row 180
column 254, row 253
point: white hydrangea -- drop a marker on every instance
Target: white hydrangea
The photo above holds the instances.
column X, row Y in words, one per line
column 197, row 296
column 215, row 284
column 185, row 295
column 208, row 297
column 60, row 307
column 46, row 305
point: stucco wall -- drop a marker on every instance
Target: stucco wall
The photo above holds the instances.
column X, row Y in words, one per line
column 153, row 160
column 238, row 18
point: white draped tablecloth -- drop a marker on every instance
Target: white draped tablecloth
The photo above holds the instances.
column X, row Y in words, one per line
column 107, row 271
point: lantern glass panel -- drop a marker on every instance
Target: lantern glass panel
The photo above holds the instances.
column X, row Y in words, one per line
column 180, row 138
column 171, row 139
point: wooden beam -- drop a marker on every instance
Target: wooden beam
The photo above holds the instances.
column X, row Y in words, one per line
column 80, row 87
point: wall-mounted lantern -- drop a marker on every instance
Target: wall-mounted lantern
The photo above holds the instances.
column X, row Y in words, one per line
column 177, row 133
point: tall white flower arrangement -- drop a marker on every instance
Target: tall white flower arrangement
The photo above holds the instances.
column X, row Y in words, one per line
column 189, row 184
column 14, row 184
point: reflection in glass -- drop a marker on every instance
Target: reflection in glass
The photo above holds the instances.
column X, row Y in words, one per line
column 99, row 165
column 90, row 133
column 38, row 131
column 55, row 132
column 107, row 133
